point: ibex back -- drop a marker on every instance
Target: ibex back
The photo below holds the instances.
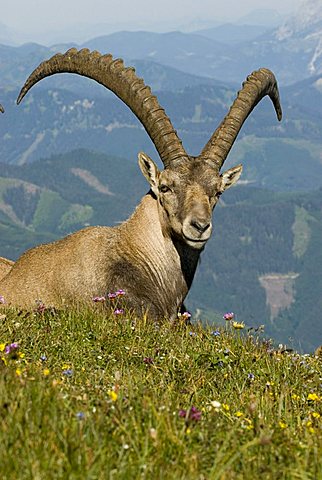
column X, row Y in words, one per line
column 154, row 254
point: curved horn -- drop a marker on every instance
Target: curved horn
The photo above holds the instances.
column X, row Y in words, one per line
column 257, row 85
column 1, row 108
column 126, row 85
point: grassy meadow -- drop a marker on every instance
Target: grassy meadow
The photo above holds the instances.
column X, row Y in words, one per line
column 99, row 395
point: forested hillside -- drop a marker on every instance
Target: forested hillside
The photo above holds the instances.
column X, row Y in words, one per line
column 259, row 263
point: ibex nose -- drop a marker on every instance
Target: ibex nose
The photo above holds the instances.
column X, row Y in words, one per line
column 200, row 225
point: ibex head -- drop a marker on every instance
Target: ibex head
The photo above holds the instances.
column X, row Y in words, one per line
column 1, row 108
column 187, row 194
column 188, row 188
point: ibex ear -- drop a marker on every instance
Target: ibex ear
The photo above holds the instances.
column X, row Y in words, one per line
column 230, row 177
column 150, row 171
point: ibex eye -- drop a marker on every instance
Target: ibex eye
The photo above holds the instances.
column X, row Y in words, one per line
column 218, row 194
column 164, row 189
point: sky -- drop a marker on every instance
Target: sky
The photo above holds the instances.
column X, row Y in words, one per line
column 41, row 15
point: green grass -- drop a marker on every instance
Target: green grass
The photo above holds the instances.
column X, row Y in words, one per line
column 105, row 402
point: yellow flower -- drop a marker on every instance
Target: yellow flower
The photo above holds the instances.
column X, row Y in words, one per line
column 238, row 325
column 4, row 360
column 46, row 372
column 112, row 395
column 2, row 347
column 295, row 397
column 316, row 415
column 226, row 407
column 239, row 414
column 188, row 431
column 18, row 372
column 313, row 397
column 310, row 427
column 282, row 425
column 21, row 355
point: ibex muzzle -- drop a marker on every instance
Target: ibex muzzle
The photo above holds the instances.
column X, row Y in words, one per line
column 154, row 254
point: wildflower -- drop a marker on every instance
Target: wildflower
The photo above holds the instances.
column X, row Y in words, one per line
column 43, row 358
column 2, row 347
column 215, row 333
column 215, row 404
column 250, row 376
column 226, row 407
column 120, row 292
column 2, row 300
column 193, row 414
column 118, row 311
column 295, row 397
column 148, row 360
column 113, row 395
column 239, row 414
column 68, row 372
column 313, row 397
column 41, row 307
column 238, row 325
column 282, row 425
column 12, row 347
column 99, row 299
column 228, row 316
column 111, row 295
column 316, row 415
column 192, row 334
column 46, row 372
column 80, row 415
column 18, row 372
column 310, row 427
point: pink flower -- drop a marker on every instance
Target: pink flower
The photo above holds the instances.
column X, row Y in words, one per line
column 120, row 292
column 228, row 316
column 118, row 311
column 98, row 299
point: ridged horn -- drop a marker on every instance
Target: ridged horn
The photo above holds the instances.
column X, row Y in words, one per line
column 257, row 85
column 125, row 84
column 1, row 108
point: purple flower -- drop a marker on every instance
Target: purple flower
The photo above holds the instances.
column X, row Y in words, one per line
column 41, row 307
column 2, row 300
column 111, row 295
column 215, row 333
column 148, row 361
column 192, row 334
column 11, row 348
column 80, row 415
column 120, row 292
column 193, row 414
column 228, row 316
column 43, row 358
column 99, row 299
column 118, row 311
column 68, row 373
column 251, row 376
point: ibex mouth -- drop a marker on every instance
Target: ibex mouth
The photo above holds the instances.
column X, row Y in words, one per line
column 195, row 242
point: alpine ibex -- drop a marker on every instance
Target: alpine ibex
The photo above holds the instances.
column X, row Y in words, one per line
column 154, row 254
